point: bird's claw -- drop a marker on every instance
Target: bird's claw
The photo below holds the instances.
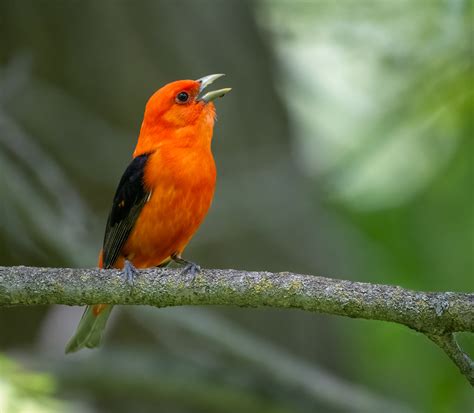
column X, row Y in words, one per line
column 129, row 273
column 191, row 270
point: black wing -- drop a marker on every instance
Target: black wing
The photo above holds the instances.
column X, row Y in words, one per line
column 129, row 199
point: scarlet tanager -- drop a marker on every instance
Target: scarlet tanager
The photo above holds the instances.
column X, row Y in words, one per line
column 164, row 193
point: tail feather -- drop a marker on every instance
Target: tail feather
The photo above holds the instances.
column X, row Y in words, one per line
column 89, row 330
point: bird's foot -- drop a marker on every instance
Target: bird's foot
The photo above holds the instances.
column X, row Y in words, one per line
column 129, row 273
column 190, row 269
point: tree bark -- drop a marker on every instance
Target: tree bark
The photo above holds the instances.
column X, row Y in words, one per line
column 435, row 314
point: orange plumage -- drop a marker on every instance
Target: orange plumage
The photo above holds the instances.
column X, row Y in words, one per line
column 164, row 194
column 180, row 172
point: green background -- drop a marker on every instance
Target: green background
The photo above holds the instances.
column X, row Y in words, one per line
column 345, row 149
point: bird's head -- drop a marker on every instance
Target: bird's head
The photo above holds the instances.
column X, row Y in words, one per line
column 179, row 108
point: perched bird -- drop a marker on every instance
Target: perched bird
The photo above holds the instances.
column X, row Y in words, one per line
column 164, row 193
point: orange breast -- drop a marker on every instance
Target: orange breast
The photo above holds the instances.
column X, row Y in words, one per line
column 182, row 182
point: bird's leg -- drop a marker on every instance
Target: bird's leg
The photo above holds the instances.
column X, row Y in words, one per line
column 190, row 268
column 129, row 272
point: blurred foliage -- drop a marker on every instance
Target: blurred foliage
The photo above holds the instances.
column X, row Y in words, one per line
column 345, row 149
column 382, row 100
column 25, row 392
column 160, row 383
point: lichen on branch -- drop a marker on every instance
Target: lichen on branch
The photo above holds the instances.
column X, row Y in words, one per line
column 436, row 314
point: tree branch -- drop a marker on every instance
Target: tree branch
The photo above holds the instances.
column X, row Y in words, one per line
column 451, row 347
column 436, row 314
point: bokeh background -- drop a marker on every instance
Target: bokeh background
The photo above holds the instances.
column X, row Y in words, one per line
column 345, row 149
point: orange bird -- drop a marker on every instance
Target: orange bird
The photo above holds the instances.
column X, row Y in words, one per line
column 164, row 193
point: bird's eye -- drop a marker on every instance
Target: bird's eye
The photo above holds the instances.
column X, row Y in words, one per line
column 182, row 97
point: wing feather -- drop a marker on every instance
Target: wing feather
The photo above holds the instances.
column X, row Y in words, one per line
column 130, row 197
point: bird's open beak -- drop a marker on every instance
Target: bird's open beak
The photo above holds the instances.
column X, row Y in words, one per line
column 210, row 96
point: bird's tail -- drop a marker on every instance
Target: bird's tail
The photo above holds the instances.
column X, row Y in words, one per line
column 89, row 330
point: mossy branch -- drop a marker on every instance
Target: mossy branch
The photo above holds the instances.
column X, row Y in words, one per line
column 436, row 314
